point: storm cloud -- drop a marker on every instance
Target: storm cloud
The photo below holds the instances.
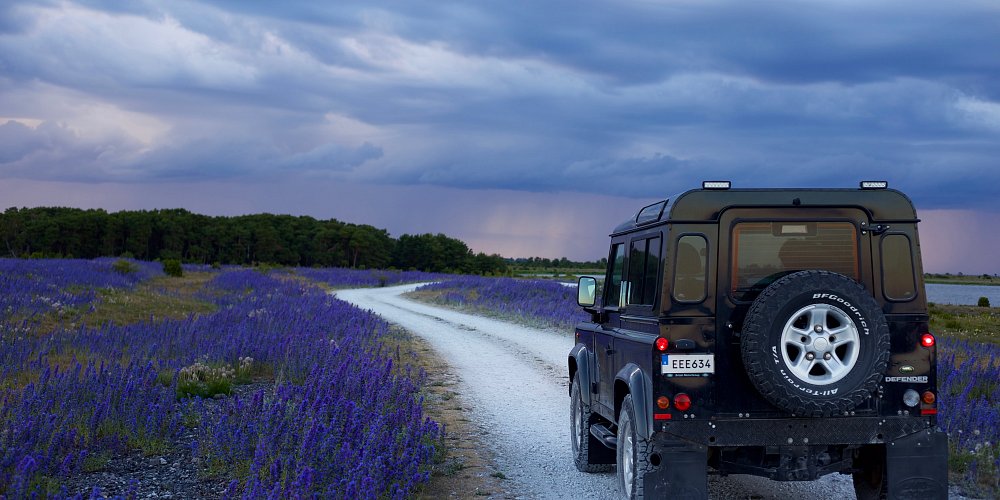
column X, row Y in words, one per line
column 622, row 99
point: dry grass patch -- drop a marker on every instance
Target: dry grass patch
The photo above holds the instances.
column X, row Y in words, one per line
column 157, row 299
column 463, row 467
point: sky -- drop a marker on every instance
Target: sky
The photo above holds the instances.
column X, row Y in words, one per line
column 522, row 128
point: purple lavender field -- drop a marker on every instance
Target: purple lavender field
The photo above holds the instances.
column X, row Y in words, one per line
column 969, row 372
column 329, row 416
column 537, row 302
column 352, row 278
column 30, row 287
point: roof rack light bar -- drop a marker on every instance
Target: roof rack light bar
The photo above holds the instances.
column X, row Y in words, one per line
column 874, row 184
column 716, row 184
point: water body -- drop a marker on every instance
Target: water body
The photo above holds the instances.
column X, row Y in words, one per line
column 967, row 295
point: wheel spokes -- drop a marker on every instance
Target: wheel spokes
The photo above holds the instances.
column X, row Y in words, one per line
column 820, row 344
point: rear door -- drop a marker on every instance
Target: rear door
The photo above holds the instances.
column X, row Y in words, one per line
column 759, row 246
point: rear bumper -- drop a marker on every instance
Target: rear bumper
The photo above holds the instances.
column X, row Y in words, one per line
column 916, row 453
column 794, row 431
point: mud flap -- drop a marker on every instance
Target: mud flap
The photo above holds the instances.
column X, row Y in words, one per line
column 682, row 471
column 917, row 466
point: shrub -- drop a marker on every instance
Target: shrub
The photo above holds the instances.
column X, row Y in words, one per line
column 984, row 302
column 123, row 266
column 172, row 267
column 205, row 381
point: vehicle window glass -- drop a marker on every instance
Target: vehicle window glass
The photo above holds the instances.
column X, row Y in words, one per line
column 897, row 268
column 764, row 251
column 614, row 285
column 644, row 260
column 690, row 269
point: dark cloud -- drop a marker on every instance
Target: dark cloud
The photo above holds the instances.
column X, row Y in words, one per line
column 332, row 157
column 17, row 141
column 54, row 151
column 636, row 99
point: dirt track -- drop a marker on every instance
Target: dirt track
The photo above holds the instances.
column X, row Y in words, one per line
column 515, row 380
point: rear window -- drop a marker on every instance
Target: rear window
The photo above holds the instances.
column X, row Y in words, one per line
column 766, row 251
column 897, row 268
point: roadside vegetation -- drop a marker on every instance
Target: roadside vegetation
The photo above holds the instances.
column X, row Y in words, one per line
column 276, row 388
column 531, row 302
column 963, row 279
column 972, row 323
column 968, row 361
column 334, row 278
column 105, row 357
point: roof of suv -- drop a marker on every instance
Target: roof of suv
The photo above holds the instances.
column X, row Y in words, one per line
column 883, row 205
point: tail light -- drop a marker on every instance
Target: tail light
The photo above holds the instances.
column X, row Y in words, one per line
column 662, row 344
column 663, row 402
column 927, row 340
column 928, row 398
column 682, row 402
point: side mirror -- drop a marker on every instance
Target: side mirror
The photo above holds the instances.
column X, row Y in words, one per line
column 586, row 291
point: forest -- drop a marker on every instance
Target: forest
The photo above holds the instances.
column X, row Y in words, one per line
column 284, row 240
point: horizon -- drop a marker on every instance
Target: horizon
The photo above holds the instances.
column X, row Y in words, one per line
column 520, row 130
column 513, row 257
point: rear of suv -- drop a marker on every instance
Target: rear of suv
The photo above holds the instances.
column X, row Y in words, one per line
column 774, row 332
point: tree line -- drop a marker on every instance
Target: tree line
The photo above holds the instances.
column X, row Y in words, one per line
column 543, row 263
column 243, row 240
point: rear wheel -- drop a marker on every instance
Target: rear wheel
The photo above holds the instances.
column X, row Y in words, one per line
column 584, row 444
column 633, row 453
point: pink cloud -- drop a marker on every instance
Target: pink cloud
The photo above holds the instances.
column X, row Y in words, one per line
column 963, row 241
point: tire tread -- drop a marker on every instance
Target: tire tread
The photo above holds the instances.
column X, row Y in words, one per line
column 760, row 318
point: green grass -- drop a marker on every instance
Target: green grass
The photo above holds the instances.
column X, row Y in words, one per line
column 956, row 279
column 559, row 274
column 156, row 299
column 977, row 324
column 973, row 470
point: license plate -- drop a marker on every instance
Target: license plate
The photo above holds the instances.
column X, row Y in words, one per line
column 688, row 364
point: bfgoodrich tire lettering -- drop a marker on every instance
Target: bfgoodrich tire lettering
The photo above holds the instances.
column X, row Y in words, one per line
column 815, row 343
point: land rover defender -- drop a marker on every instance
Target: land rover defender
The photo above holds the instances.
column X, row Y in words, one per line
column 776, row 332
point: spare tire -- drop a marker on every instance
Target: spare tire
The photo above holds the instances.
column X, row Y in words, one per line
column 815, row 343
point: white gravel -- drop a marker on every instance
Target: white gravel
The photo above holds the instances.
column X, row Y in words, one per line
column 515, row 379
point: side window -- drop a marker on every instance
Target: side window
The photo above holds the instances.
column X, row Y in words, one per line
column 644, row 262
column 898, row 282
column 690, row 268
column 614, row 282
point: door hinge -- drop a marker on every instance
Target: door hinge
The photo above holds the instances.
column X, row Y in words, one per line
column 875, row 229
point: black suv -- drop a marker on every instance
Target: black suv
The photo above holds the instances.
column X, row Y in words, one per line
column 774, row 332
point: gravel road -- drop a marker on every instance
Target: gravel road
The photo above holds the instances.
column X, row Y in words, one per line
column 515, row 380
